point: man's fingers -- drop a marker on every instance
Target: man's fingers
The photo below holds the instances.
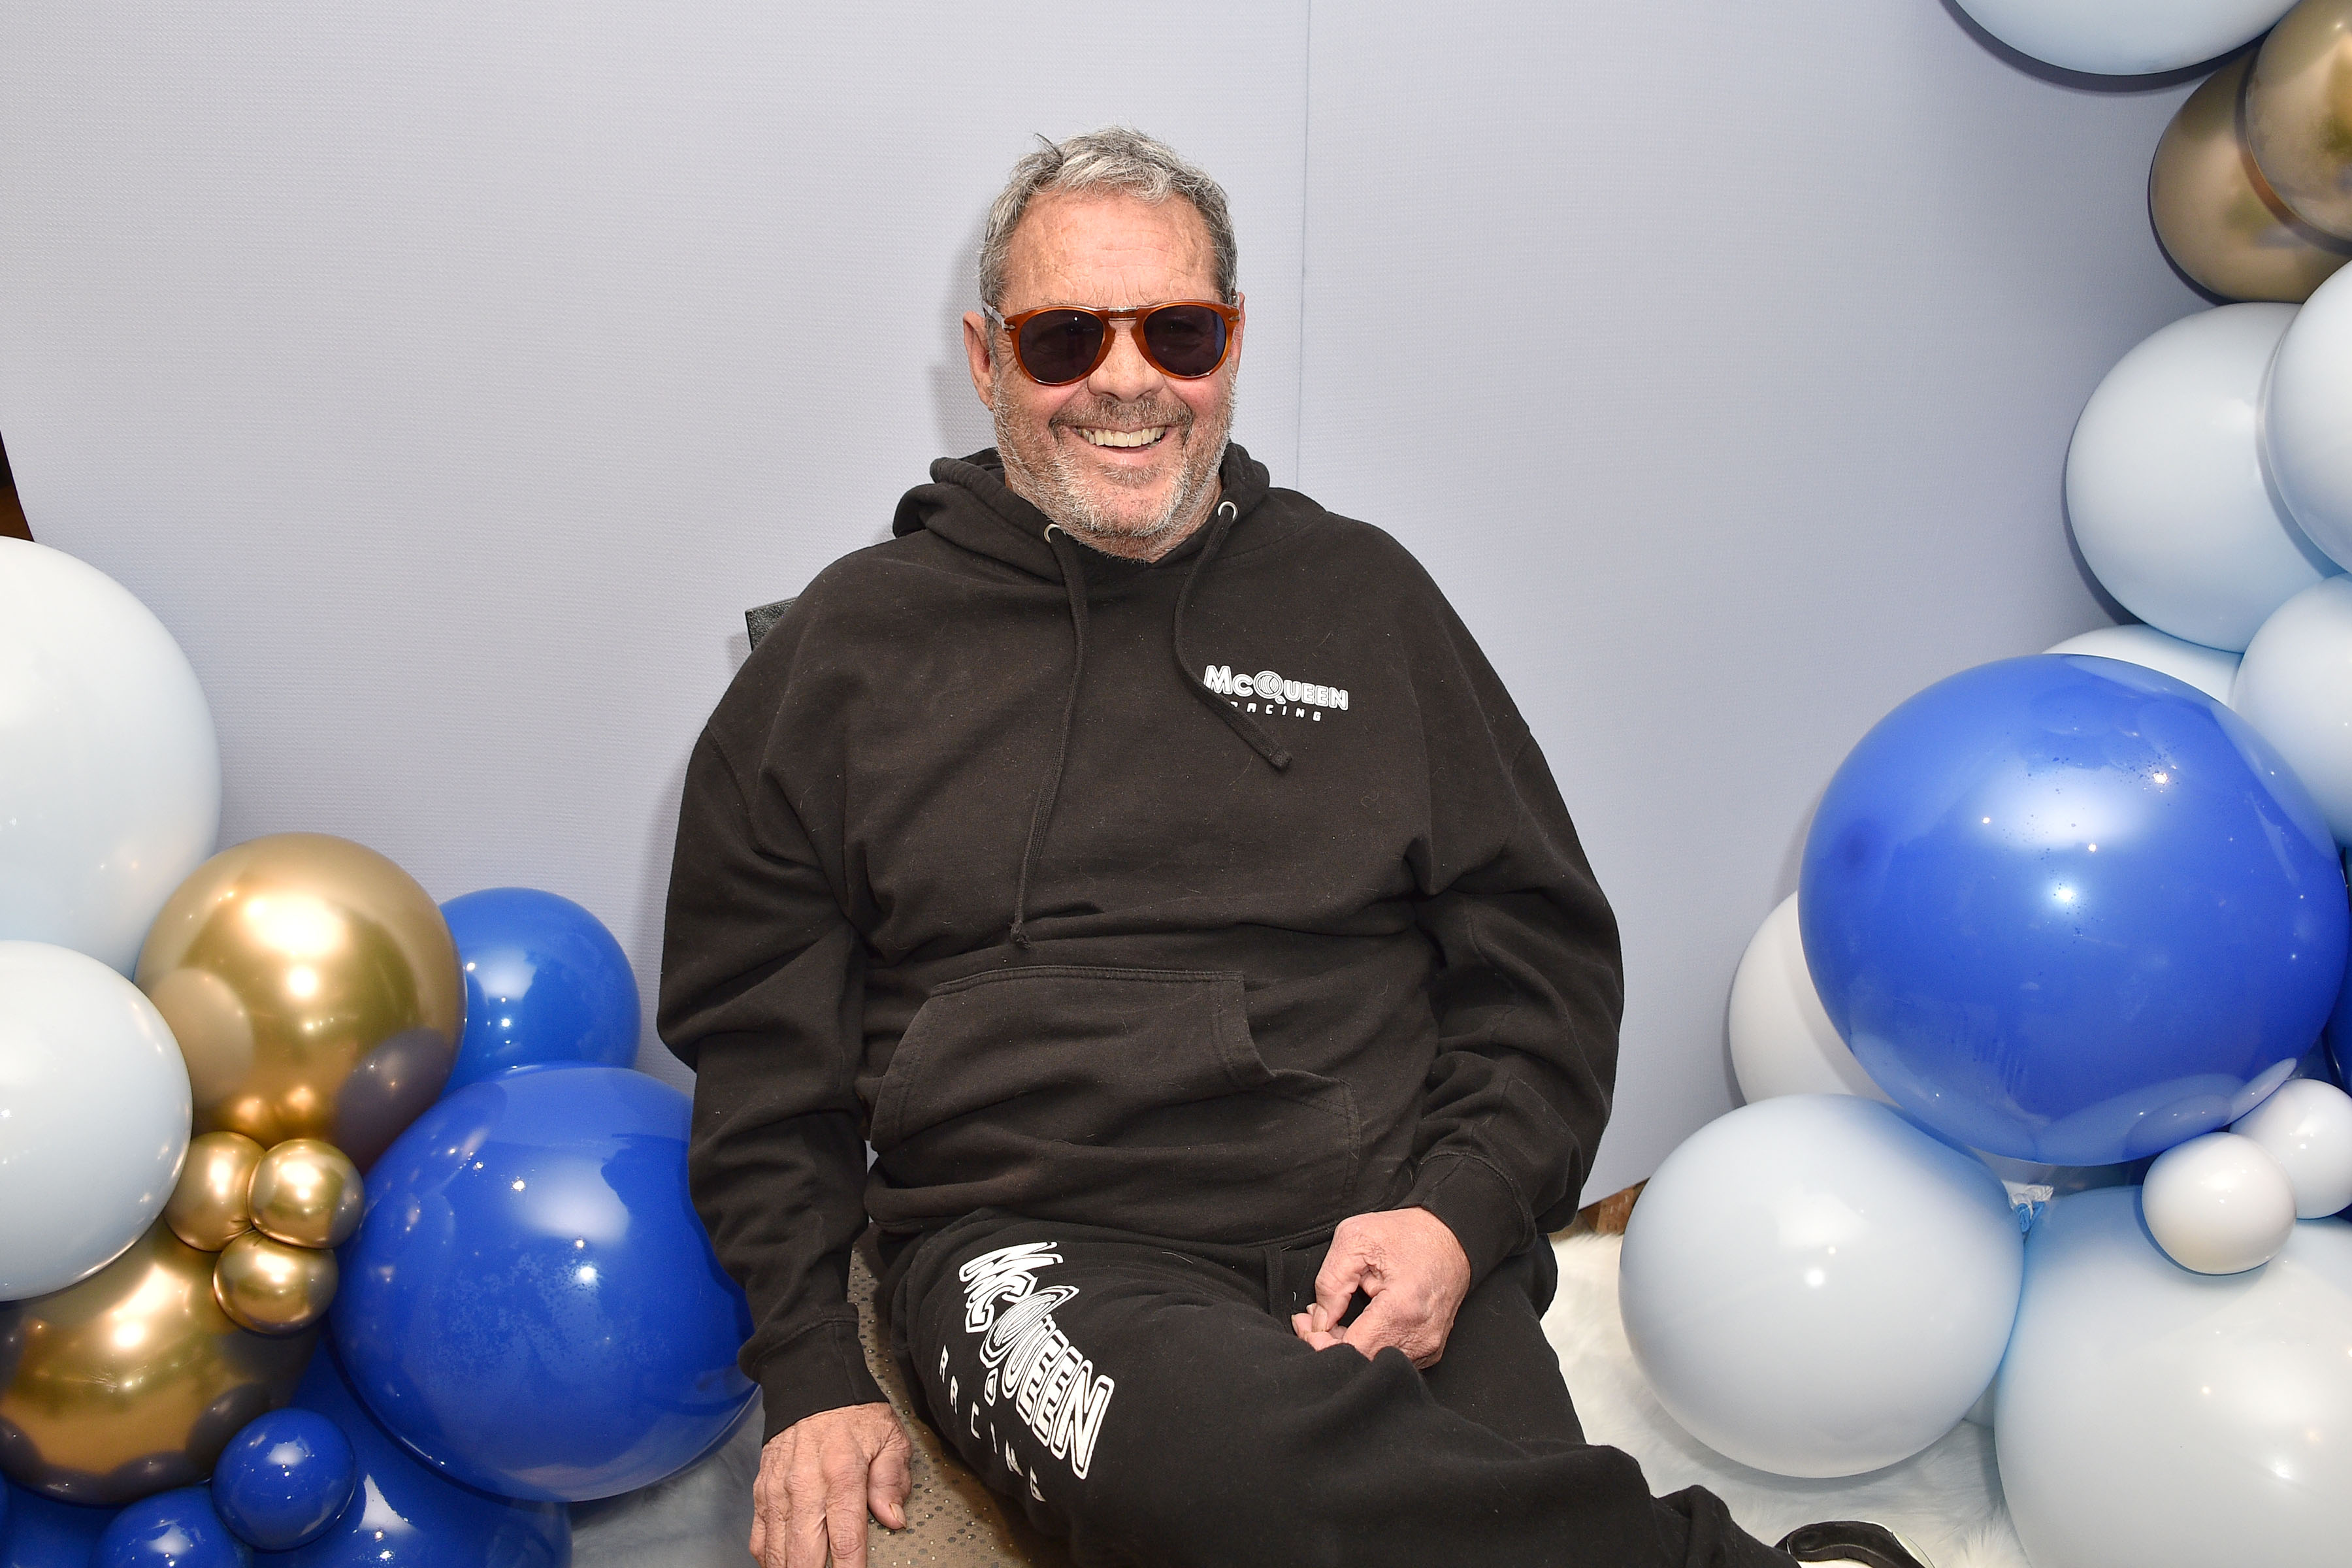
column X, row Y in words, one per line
column 845, row 1529
column 888, row 1484
column 1343, row 1273
column 1382, row 1325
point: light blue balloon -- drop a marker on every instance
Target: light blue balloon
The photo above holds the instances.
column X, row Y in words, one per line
column 2153, row 1417
column 1815, row 1286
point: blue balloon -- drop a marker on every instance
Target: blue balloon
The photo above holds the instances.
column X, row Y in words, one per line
column 532, row 1303
column 37, row 1532
column 283, row 1479
column 2069, row 910
column 545, row 982
column 406, row 1515
column 176, row 1529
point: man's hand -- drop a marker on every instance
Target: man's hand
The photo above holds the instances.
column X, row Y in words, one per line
column 817, row 1478
column 1416, row 1273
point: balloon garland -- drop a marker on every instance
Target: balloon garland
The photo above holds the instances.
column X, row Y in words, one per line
column 2085, row 912
column 188, row 1165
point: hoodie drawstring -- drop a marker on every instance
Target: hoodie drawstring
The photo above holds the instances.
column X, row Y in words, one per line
column 1248, row 729
column 1073, row 583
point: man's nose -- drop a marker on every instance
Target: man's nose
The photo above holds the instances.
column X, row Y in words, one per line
column 1124, row 373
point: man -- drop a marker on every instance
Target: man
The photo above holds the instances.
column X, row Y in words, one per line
column 1148, row 864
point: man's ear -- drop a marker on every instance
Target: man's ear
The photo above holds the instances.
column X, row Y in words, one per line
column 978, row 349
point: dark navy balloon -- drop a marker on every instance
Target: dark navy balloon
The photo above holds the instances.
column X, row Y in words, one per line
column 532, row 1303
column 404, row 1515
column 37, row 1532
column 283, row 1479
column 176, row 1529
column 2072, row 910
column 545, row 982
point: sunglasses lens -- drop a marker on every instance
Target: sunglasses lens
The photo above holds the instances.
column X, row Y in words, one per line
column 1059, row 346
column 1186, row 340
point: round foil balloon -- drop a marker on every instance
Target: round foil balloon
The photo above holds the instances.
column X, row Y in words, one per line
column 93, row 1116
column 2208, row 670
column 108, row 769
column 532, row 1303
column 314, row 988
column 1815, row 1287
column 2151, row 1417
column 213, row 1204
column 412, row 1516
column 2123, row 37
column 2217, row 218
column 2165, row 487
column 2299, row 113
column 132, row 1381
column 2071, row 910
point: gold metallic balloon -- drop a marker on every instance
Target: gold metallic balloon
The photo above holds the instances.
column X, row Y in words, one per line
column 211, row 1207
column 2219, row 222
column 133, row 1380
column 271, row 1288
column 2298, row 113
column 307, row 1194
column 314, row 988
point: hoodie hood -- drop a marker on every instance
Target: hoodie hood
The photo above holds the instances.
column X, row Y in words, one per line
column 968, row 504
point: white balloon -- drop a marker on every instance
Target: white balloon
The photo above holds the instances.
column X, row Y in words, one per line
column 1782, row 1041
column 2307, row 417
column 1815, row 1287
column 2165, row 486
column 94, row 1108
column 2218, row 1203
column 2125, row 37
column 2294, row 685
column 2306, row 1127
column 2208, row 670
column 110, row 774
column 2150, row 1417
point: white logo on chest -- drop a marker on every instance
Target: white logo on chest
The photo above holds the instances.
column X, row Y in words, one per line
column 1301, row 699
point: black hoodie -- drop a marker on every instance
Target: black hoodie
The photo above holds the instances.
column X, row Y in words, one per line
column 1215, row 899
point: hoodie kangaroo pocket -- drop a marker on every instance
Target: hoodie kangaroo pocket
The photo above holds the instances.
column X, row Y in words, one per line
column 1128, row 1098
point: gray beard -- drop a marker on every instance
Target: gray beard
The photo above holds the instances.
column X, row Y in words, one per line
column 1056, row 487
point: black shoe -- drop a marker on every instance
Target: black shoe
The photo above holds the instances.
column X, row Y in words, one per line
column 1851, row 1540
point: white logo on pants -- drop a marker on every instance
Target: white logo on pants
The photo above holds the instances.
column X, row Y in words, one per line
column 1030, row 1360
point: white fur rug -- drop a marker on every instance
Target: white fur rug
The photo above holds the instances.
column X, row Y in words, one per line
column 1948, row 1500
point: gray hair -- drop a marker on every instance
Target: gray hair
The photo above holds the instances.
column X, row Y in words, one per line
column 1116, row 158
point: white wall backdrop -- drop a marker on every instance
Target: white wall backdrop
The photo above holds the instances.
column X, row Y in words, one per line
column 449, row 377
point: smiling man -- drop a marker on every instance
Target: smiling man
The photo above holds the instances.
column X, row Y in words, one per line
column 1148, row 865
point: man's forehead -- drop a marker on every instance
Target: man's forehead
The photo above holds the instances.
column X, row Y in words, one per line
column 1086, row 241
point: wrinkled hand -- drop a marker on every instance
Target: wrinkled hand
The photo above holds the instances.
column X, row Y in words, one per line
column 817, row 1478
column 1415, row 1272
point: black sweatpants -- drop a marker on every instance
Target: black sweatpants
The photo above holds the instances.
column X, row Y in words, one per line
column 1149, row 1400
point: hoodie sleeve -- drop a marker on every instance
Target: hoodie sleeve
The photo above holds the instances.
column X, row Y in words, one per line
column 1527, row 997
column 761, row 994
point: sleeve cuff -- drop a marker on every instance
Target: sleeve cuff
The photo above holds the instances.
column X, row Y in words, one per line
column 1486, row 1216
column 822, row 1369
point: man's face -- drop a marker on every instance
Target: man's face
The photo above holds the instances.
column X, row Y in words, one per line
column 1112, row 252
